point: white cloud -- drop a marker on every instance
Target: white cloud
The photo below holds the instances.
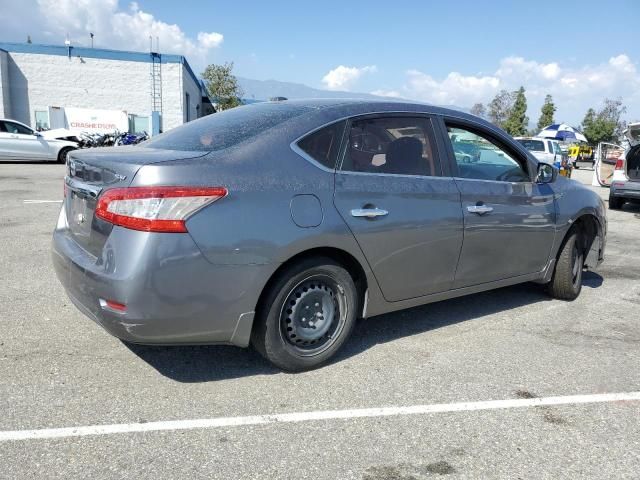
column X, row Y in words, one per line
column 520, row 68
column 342, row 78
column 454, row 89
column 128, row 28
column 210, row 40
column 574, row 89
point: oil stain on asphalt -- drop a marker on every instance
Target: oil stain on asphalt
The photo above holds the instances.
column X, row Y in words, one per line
column 408, row 471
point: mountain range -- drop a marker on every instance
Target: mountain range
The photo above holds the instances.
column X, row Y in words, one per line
column 258, row 90
column 261, row 90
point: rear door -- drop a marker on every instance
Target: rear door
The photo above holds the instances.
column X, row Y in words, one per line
column 402, row 208
column 509, row 220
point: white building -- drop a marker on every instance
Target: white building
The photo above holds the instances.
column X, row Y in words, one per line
column 51, row 86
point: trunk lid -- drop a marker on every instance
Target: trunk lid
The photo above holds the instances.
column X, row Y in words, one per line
column 89, row 172
column 633, row 133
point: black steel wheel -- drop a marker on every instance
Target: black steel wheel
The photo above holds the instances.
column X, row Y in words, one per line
column 306, row 315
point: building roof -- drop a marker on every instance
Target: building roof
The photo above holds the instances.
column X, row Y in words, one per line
column 100, row 53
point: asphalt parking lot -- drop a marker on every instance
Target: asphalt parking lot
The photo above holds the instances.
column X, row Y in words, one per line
column 58, row 370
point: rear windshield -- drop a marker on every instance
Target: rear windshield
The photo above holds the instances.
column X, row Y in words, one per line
column 226, row 129
column 532, row 145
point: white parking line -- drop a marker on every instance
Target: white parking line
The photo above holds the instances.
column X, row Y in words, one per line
column 42, row 201
column 225, row 422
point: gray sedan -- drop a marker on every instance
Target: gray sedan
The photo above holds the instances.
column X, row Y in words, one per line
column 280, row 223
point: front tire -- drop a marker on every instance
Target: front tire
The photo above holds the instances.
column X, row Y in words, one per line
column 306, row 315
column 566, row 283
column 62, row 154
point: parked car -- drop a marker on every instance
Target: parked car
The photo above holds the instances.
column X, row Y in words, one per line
column 547, row 151
column 280, row 223
column 20, row 142
column 625, row 183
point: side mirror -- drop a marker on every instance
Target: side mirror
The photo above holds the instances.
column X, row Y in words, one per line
column 37, row 134
column 546, row 173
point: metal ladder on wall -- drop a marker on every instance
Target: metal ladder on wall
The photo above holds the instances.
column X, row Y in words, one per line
column 156, row 82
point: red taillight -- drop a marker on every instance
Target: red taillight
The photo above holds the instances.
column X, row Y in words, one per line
column 120, row 307
column 620, row 164
column 155, row 209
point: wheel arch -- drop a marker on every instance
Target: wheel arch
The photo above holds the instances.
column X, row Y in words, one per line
column 340, row 256
column 592, row 237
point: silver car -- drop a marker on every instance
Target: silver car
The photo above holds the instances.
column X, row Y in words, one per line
column 20, row 142
column 280, row 223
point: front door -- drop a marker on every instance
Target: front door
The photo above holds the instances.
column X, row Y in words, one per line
column 403, row 212
column 509, row 220
column 20, row 142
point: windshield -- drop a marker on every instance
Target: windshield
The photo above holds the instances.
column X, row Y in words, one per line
column 532, row 145
column 225, row 129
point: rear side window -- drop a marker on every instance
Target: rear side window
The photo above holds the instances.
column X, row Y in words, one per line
column 532, row 145
column 226, row 129
column 323, row 145
column 391, row 145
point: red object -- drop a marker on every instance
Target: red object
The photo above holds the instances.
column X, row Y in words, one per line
column 121, row 307
column 146, row 224
column 620, row 164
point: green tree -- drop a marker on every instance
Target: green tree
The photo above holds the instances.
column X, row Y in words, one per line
column 479, row 110
column 500, row 108
column 605, row 125
column 223, row 86
column 517, row 121
column 547, row 111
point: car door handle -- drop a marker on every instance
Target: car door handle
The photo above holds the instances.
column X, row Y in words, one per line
column 479, row 209
column 368, row 212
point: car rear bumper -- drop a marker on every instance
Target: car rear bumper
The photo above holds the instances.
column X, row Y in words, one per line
column 173, row 294
column 626, row 189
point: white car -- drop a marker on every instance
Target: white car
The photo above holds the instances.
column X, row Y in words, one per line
column 544, row 149
column 625, row 184
column 20, row 142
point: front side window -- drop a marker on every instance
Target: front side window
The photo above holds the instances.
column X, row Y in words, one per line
column 480, row 158
column 17, row 128
column 391, row 145
column 323, row 145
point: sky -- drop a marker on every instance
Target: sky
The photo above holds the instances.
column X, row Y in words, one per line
column 448, row 53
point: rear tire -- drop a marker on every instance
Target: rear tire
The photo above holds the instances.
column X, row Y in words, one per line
column 615, row 203
column 62, row 154
column 306, row 315
column 566, row 283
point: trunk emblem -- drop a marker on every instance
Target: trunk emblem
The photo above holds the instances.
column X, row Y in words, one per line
column 80, row 218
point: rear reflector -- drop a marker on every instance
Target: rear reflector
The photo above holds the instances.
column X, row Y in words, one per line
column 155, row 209
column 619, row 164
column 121, row 307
